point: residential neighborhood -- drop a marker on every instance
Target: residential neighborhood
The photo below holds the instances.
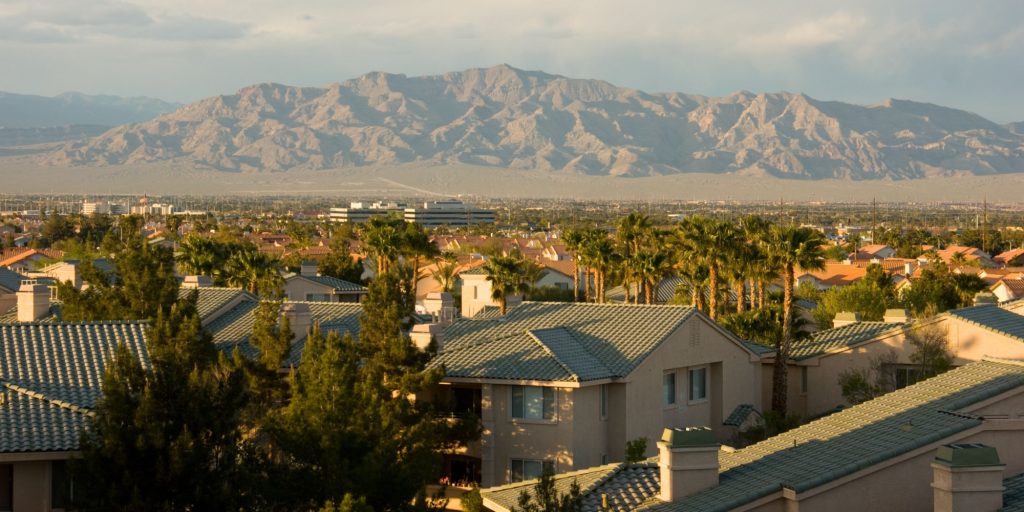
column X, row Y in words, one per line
column 651, row 380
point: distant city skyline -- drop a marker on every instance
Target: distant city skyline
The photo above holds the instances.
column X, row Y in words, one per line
column 955, row 54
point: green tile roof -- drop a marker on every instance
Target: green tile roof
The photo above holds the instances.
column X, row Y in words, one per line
column 625, row 486
column 10, row 280
column 233, row 328
column 1013, row 496
column 338, row 284
column 211, row 299
column 855, row 438
column 739, row 415
column 557, row 341
column 993, row 318
column 829, row 340
column 50, row 376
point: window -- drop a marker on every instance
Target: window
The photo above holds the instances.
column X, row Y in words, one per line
column 668, row 385
column 604, row 401
column 529, row 469
column 474, row 293
column 318, row 297
column 6, row 487
column 698, row 384
column 62, row 489
column 803, row 379
column 533, row 402
column 908, row 375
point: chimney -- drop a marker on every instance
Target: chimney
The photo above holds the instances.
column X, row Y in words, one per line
column 441, row 306
column 986, row 298
column 33, row 301
column 688, row 458
column 967, row 477
column 191, row 282
column 908, row 269
column 421, row 335
column 845, row 318
column 896, row 316
column 308, row 269
column 299, row 318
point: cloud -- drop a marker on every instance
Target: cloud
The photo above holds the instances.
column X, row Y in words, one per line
column 76, row 20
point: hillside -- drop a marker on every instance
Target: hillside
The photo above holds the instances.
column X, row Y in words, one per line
column 510, row 118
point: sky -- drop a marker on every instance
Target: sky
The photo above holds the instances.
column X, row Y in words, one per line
column 956, row 53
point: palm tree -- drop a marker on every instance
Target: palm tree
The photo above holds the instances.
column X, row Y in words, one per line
column 253, row 271
column 791, row 247
column 573, row 239
column 599, row 253
column 384, row 241
column 446, row 274
column 198, row 255
column 507, row 278
column 650, row 268
column 711, row 243
column 634, row 232
column 416, row 244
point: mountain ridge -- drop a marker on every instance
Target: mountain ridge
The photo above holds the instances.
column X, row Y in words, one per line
column 28, row 111
column 507, row 117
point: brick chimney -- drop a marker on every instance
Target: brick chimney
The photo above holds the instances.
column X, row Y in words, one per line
column 33, row 301
column 308, row 269
column 967, row 477
column 688, row 458
column 845, row 318
column 299, row 318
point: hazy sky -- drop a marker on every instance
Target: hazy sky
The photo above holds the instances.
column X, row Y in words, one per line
column 965, row 54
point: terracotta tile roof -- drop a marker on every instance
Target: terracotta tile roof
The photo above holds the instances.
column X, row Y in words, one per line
column 1010, row 256
column 18, row 256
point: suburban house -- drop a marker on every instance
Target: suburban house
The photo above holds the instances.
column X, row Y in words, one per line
column 817, row 362
column 873, row 251
column 309, row 285
column 953, row 442
column 1010, row 287
column 1010, row 258
column 567, row 385
column 50, row 375
column 971, row 255
column 26, row 260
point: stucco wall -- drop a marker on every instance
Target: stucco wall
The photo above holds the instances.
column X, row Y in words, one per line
column 32, row 486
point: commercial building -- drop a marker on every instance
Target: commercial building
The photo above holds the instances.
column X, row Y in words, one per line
column 359, row 212
column 448, row 213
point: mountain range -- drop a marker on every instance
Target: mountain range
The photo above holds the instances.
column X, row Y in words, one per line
column 27, row 111
column 511, row 118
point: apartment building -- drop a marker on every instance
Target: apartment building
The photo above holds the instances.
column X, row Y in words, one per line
column 567, row 385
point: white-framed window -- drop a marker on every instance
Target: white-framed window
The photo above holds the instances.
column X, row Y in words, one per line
column 533, row 403
column 698, row 384
column 528, row 469
column 604, row 401
column 668, row 388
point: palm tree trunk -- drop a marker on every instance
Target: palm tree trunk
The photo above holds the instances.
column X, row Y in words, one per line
column 649, row 292
column 502, row 304
column 780, row 384
column 741, row 300
column 575, row 279
column 626, row 285
column 762, row 295
column 695, row 296
column 713, row 291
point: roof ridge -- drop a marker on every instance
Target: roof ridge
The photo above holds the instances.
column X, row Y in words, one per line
column 579, row 343
column 559, row 476
column 78, row 322
column 955, row 312
column 53, row 401
column 550, row 352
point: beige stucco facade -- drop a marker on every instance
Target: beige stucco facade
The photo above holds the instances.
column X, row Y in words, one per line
column 967, row 343
column 297, row 288
column 32, row 480
column 579, row 436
